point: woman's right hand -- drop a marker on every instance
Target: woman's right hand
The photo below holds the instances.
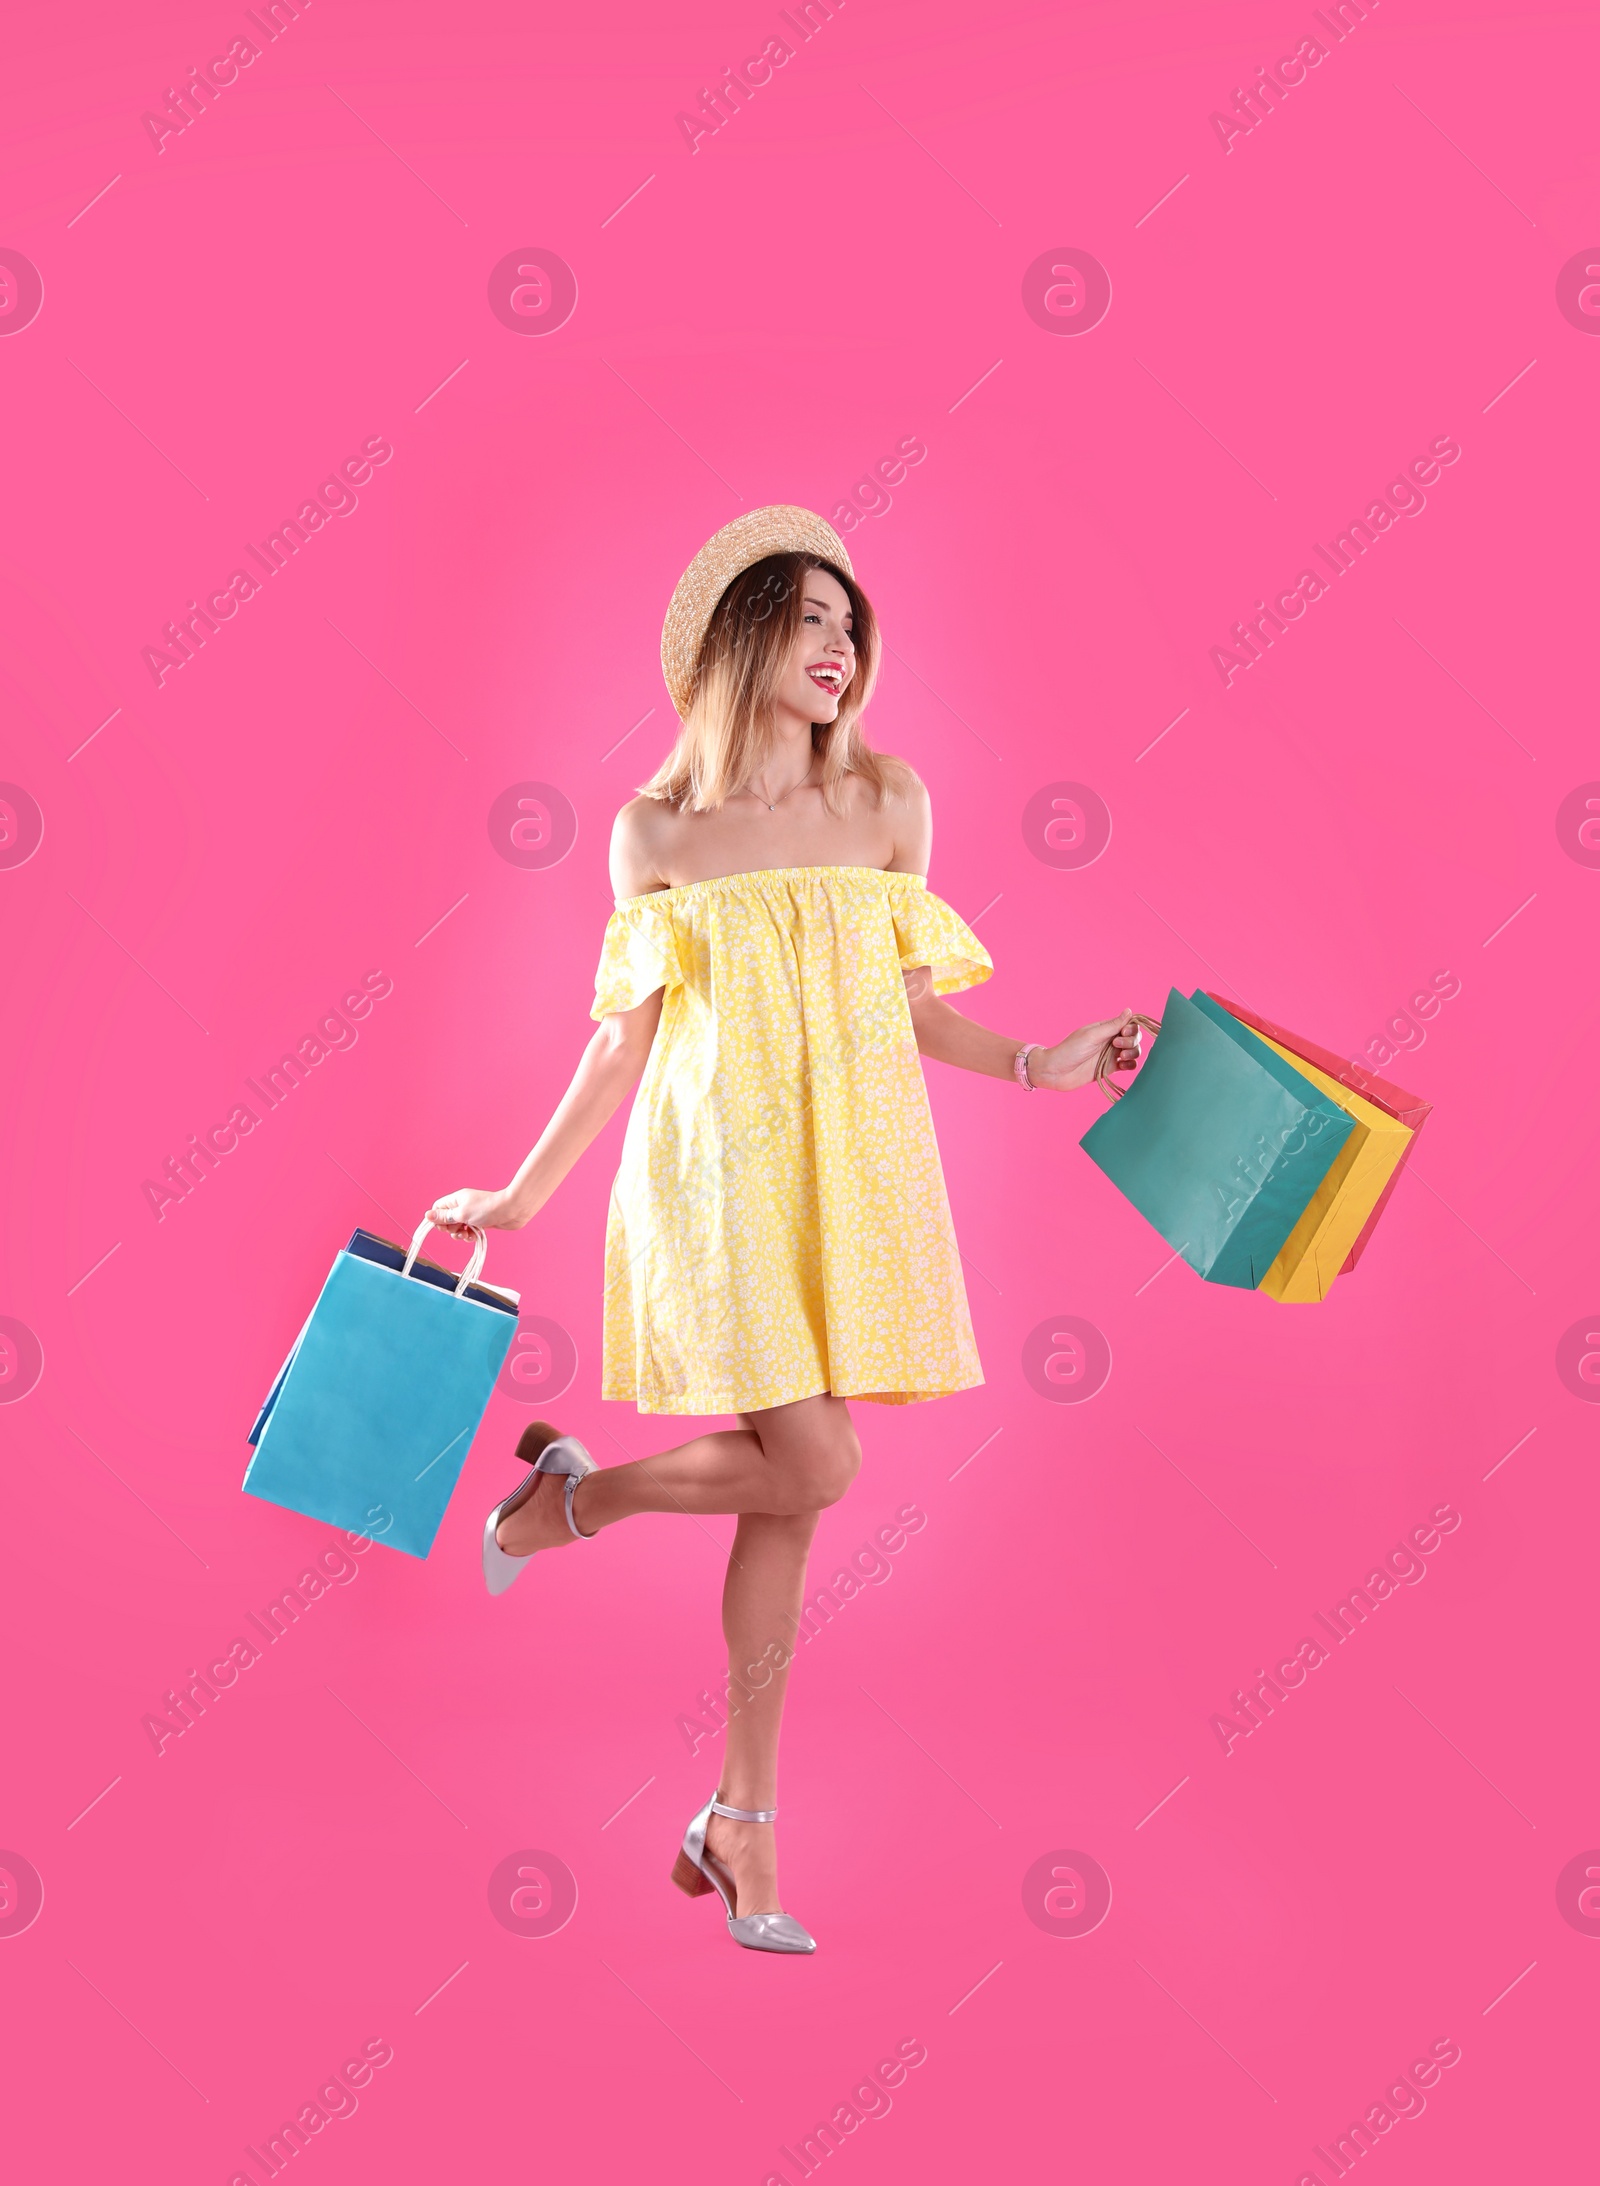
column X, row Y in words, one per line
column 465, row 1211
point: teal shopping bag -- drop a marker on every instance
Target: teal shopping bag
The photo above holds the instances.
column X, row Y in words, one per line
column 1219, row 1144
column 372, row 1414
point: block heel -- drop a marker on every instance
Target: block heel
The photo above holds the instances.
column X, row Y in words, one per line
column 689, row 1879
column 698, row 1872
column 544, row 1451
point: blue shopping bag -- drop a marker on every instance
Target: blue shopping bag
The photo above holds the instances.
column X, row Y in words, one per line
column 372, row 1414
column 1220, row 1145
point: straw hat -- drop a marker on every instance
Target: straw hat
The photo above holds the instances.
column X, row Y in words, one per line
column 726, row 555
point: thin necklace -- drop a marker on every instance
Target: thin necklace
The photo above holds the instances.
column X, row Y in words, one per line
column 773, row 805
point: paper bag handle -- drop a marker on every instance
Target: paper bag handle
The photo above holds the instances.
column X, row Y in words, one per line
column 1105, row 1061
column 474, row 1267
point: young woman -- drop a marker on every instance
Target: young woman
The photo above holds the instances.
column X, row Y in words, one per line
column 779, row 1239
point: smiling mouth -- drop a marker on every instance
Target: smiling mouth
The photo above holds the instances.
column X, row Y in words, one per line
column 827, row 678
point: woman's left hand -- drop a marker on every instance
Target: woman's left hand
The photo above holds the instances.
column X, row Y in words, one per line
column 1071, row 1062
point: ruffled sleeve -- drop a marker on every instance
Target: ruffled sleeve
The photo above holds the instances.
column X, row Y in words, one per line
column 639, row 954
column 929, row 932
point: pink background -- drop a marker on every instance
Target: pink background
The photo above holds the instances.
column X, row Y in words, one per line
column 224, row 321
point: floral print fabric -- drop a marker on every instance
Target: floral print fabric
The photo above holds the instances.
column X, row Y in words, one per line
column 779, row 1225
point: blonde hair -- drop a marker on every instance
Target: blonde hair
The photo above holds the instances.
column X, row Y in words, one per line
column 728, row 729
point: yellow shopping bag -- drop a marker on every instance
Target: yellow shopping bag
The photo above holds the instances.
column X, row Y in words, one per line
column 1319, row 1244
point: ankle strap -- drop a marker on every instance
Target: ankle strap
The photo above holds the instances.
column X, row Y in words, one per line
column 745, row 1814
column 572, row 1489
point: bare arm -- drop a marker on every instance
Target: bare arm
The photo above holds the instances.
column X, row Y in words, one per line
column 608, row 1070
column 949, row 1037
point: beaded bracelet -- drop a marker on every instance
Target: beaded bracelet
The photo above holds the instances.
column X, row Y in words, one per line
column 1019, row 1066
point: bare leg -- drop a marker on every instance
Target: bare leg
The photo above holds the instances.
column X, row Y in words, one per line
column 812, row 1455
column 777, row 1469
column 760, row 1617
column 780, row 1462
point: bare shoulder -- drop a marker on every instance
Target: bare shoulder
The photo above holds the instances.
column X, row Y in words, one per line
column 908, row 812
column 639, row 837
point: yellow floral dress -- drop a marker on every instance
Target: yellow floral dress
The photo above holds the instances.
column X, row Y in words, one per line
column 779, row 1225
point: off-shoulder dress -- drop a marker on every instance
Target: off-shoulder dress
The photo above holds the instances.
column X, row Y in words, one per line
column 779, row 1225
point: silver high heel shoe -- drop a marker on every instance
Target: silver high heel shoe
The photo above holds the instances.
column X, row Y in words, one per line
column 697, row 1871
column 550, row 1453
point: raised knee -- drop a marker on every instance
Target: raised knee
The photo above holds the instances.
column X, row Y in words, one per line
column 831, row 1471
